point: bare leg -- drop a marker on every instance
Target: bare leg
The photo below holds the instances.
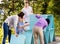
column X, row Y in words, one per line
column 35, row 36
column 40, row 31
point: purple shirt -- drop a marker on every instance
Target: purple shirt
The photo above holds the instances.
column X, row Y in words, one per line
column 41, row 22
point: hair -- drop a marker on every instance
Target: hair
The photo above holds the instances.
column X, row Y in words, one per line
column 21, row 14
column 48, row 21
column 27, row 2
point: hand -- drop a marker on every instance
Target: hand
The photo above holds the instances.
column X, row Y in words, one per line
column 27, row 24
column 16, row 34
column 38, row 14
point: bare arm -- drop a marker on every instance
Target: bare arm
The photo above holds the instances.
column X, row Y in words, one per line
column 26, row 24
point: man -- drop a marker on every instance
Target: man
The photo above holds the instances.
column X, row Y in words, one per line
column 11, row 21
column 27, row 11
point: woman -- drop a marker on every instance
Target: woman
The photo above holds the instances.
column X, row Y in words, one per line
column 38, row 29
column 11, row 21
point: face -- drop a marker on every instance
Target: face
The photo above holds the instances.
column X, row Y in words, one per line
column 26, row 4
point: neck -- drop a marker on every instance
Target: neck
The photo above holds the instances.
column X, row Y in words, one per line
column 26, row 6
column 21, row 20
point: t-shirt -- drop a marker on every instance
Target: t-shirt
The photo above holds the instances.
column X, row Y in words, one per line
column 41, row 22
column 20, row 30
column 12, row 21
column 27, row 12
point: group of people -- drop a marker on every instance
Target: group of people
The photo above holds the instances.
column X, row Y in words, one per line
column 20, row 21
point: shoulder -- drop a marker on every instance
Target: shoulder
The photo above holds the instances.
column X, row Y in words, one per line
column 23, row 9
column 38, row 16
column 14, row 16
column 30, row 7
column 8, row 17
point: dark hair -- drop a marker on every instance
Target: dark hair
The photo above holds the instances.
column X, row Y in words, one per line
column 21, row 14
column 48, row 21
